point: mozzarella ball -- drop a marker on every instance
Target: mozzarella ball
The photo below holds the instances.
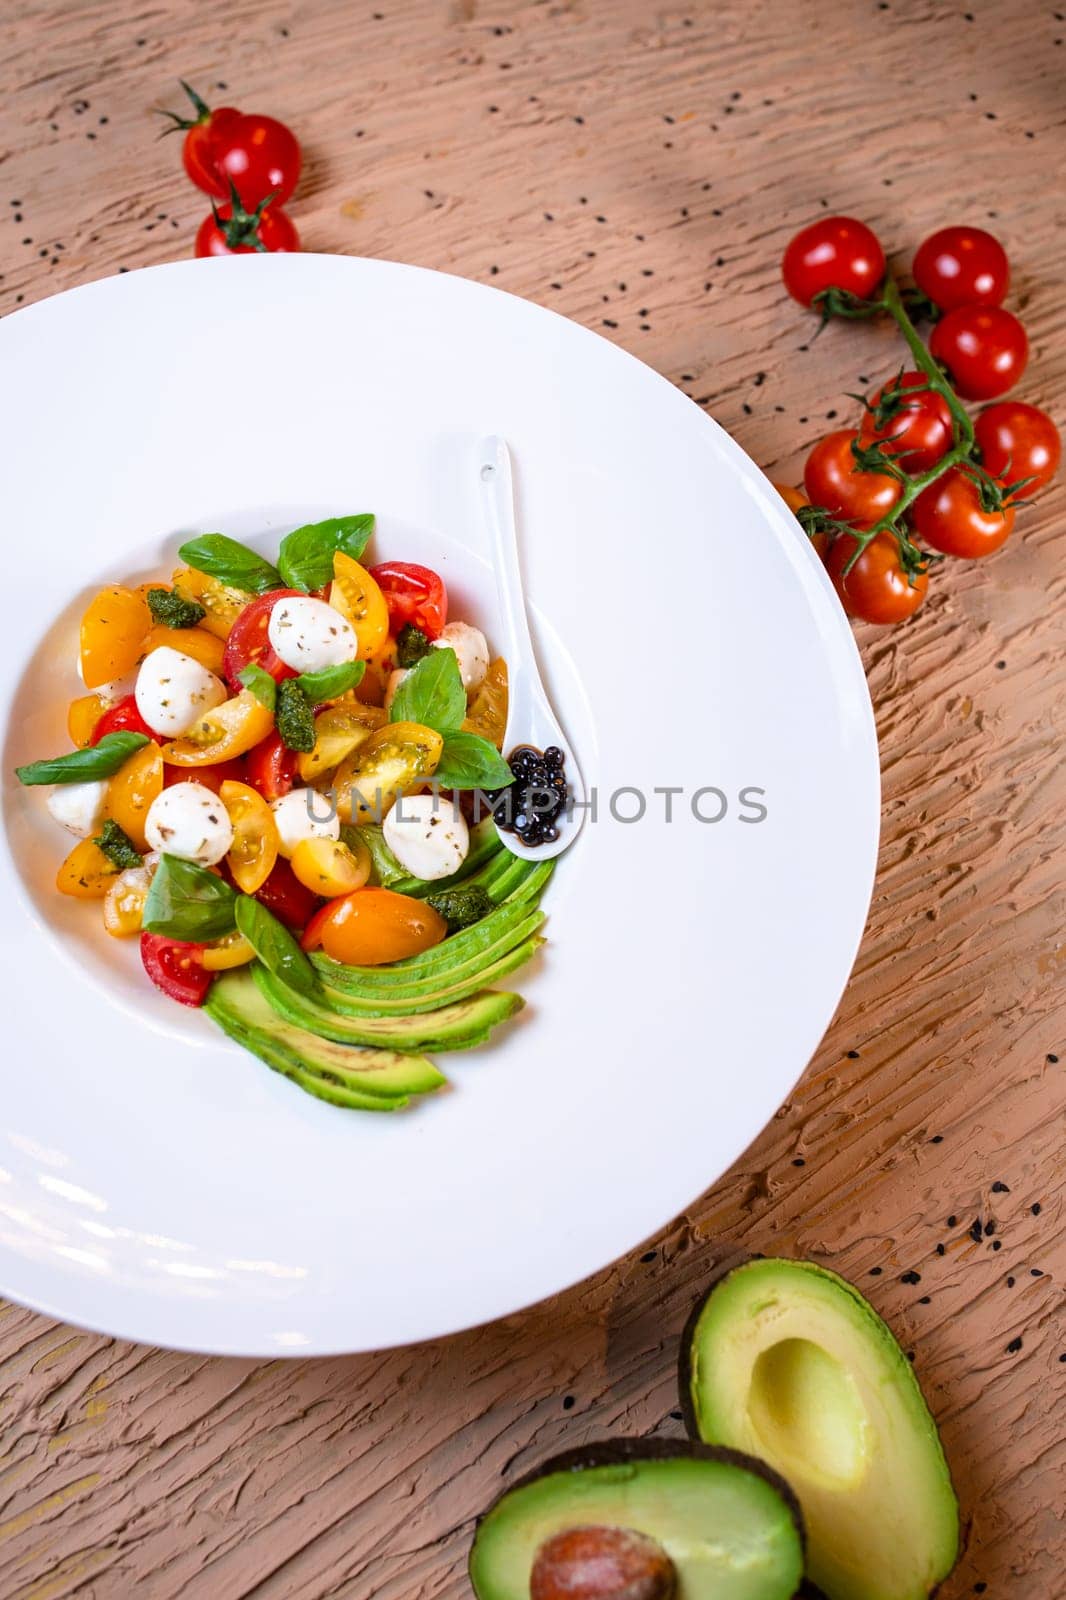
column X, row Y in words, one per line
column 304, row 814
column 190, row 821
column 79, row 806
column 428, row 835
column 471, row 652
column 308, row 634
column 173, row 691
column 395, row 679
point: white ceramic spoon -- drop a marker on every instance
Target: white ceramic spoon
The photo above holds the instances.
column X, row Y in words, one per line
column 530, row 718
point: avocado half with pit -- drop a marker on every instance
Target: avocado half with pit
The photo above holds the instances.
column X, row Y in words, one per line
column 788, row 1361
column 642, row 1519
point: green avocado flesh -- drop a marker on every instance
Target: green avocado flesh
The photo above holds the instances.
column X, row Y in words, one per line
column 458, row 1026
column 788, row 1361
column 728, row 1528
column 413, row 1000
column 366, row 1080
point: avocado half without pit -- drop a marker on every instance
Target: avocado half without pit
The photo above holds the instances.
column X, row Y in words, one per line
column 642, row 1520
column 788, row 1361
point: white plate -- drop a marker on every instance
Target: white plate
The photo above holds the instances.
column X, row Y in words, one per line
column 158, row 1183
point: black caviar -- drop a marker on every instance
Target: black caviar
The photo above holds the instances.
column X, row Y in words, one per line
column 532, row 805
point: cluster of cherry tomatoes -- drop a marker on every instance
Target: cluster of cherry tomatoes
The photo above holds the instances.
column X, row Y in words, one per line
column 918, row 467
column 249, row 165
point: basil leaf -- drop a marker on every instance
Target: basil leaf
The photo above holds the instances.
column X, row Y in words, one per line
column 293, row 717
column 185, row 901
column 432, row 693
column 470, row 762
column 262, row 685
column 231, row 563
column 387, row 870
column 305, row 559
column 174, row 610
column 81, row 766
column 411, row 645
column 117, row 846
column 331, row 682
column 275, row 946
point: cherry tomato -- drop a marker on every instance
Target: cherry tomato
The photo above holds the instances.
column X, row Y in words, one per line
column 248, row 643
column 113, row 631
column 228, row 730
column 260, row 155
column 795, row 499
column 961, row 267
column 914, row 427
column 414, row 595
column 290, row 900
column 876, row 589
column 330, row 868
column 83, row 714
column 212, row 777
column 87, row 873
column 271, row 767
column 984, row 349
column 232, row 231
column 357, row 597
column 199, row 643
column 133, row 788
column 833, row 481
column 122, row 717
column 254, row 851
column 373, row 926
column 175, row 967
column 833, row 253
column 950, row 518
column 1019, row 441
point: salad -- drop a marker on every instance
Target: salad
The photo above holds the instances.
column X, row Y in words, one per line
column 276, row 786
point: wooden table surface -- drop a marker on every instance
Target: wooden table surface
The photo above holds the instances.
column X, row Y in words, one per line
column 639, row 168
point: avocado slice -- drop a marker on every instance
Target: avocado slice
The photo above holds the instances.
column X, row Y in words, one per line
column 787, row 1360
column 453, row 1027
column 431, row 995
column 730, row 1525
column 464, row 961
column 365, row 1080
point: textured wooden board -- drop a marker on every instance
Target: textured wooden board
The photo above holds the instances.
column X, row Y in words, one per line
column 639, row 169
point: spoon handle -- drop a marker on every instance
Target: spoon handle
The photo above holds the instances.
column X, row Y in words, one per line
column 497, row 485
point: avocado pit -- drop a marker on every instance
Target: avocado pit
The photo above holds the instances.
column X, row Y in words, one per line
column 599, row 1563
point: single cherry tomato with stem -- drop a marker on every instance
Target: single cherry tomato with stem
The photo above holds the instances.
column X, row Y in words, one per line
column 176, row 967
column 961, row 266
column 956, row 516
column 231, row 230
column 833, row 253
column 123, row 717
column 259, row 155
column 414, row 595
column 911, row 422
column 984, row 348
column 249, row 643
column 833, row 480
column 877, row 588
column 271, row 767
column 1020, row 445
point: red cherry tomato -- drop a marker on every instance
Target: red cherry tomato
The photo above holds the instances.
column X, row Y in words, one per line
column 233, row 232
column 949, row 517
column 1019, row 441
column 961, row 267
column 833, row 481
column 175, row 967
column 271, row 767
column 260, row 155
column 290, row 901
column 915, row 427
column 122, row 717
column 414, row 595
column 248, row 643
column 211, row 777
column 877, row 589
column 833, row 253
column 984, row 349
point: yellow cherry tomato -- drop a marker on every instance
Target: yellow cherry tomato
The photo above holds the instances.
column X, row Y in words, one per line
column 205, row 647
column 255, row 835
column 487, row 711
column 395, row 760
column 113, row 631
column 356, row 596
column 124, row 902
column 82, row 717
column 329, row 867
column 374, row 926
column 229, row 730
column 232, row 951
column 87, row 873
column 133, row 788
column 222, row 603
column 339, row 730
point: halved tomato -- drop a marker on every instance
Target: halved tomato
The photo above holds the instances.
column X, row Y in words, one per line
column 228, row 730
column 356, row 596
column 249, row 644
column 133, row 788
column 176, row 967
column 254, row 850
column 87, row 873
column 271, row 767
column 113, row 631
